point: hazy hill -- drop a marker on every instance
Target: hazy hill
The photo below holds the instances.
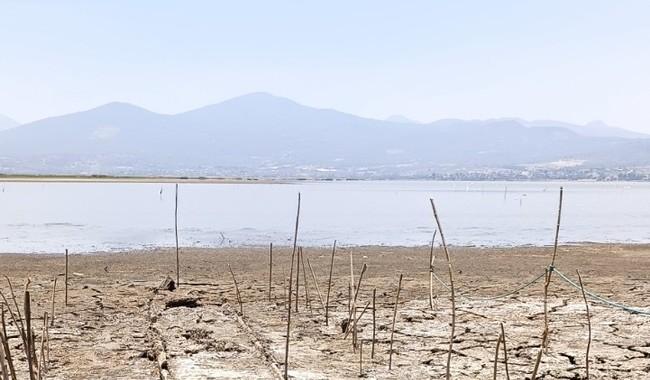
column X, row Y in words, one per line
column 264, row 135
column 6, row 123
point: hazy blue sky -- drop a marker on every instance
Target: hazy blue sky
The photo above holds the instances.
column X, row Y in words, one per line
column 575, row 61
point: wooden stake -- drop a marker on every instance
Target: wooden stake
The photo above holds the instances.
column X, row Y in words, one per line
column 505, row 352
column 66, row 277
column 374, row 323
column 270, row 269
column 453, row 292
column 361, row 358
column 241, row 305
column 178, row 263
column 329, row 286
column 293, row 254
column 30, row 341
column 392, row 330
column 313, row 276
column 584, row 297
column 431, row 259
column 53, row 299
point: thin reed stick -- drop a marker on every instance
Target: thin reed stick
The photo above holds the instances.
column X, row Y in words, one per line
column 432, row 257
column 297, row 278
column 313, row 276
column 557, row 227
column 392, row 330
column 18, row 322
column 53, row 299
column 584, row 297
column 374, row 323
column 329, row 286
column 356, row 321
column 496, row 356
column 293, row 254
column 66, row 277
column 270, row 269
column 547, row 284
column 241, row 305
column 453, row 292
column 538, row 360
column 3, row 361
column 351, row 281
column 284, row 287
column 28, row 327
column 43, row 364
column 304, row 279
column 4, row 341
column 353, row 307
column 178, row 263
column 505, row 352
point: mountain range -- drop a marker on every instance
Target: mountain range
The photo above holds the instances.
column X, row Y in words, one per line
column 262, row 135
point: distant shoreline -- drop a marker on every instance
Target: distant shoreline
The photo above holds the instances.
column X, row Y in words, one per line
column 97, row 178
column 130, row 179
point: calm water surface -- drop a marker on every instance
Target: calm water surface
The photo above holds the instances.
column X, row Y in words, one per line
column 87, row 217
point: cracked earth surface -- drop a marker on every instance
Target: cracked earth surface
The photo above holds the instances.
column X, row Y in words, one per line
column 118, row 326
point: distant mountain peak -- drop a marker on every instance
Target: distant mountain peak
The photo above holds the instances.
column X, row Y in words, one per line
column 401, row 119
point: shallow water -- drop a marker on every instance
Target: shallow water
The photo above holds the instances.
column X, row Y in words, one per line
column 87, row 217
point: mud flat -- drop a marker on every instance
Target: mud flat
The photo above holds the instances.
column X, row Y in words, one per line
column 119, row 326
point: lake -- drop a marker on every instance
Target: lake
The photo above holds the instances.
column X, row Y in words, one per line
column 89, row 217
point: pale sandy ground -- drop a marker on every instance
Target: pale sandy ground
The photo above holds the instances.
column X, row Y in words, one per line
column 117, row 327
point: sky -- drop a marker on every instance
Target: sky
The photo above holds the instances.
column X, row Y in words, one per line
column 575, row 61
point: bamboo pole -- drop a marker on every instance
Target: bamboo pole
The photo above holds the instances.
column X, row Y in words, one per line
column 505, row 352
column 178, row 265
column 241, row 305
column 374, row 323
column 431, row 259
column 329, row 286
column 392, row 330
column 270, row 269
column 293, row 254
column 53, row 299
column 584, row 297
column 538, row 360
column 313, row 276
column 66, row 277
column 453, row 291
